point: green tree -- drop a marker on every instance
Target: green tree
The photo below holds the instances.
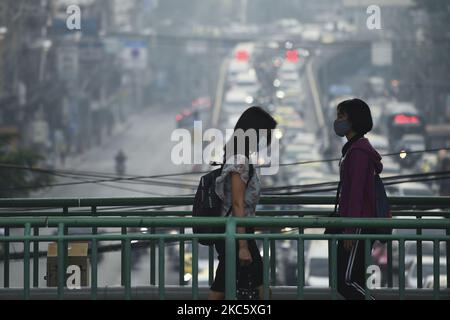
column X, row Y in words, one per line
column 17, row 180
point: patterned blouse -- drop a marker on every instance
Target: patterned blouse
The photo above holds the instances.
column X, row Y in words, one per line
column 239, row 164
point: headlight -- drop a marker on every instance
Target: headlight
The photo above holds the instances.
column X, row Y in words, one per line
column 278, row 134
column 187, row 277
column 280, row 94
column 276, row 83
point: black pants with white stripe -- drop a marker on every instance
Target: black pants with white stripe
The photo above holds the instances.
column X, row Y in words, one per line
column 351, row 273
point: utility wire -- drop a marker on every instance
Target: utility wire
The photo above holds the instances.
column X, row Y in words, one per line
column 134, row 178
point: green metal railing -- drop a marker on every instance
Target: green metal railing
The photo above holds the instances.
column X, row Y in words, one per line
column 35, row 220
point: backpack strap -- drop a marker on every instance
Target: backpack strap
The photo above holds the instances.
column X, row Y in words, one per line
column 336, row 201
column 338, row 191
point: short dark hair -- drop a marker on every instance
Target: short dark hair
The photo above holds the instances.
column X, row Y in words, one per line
column 358, row 113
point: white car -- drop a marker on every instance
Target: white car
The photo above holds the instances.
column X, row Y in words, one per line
column 235, row 68
column 290, row 82
column 427, row 271
column 429, row 282
column 247, row 82
column 316, row 266
column 300, row 177
column 411, row 246
column 304, row 138
column 311, row 33
column 390, row 168
column 288, row 69
column 236, row 101
column 410, row 189
column 300, row 151
column 379, row 142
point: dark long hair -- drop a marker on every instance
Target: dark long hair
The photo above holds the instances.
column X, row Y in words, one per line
column 255, row 118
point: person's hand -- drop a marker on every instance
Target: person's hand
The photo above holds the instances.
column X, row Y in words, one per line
column 348, row 244
column 245, row 257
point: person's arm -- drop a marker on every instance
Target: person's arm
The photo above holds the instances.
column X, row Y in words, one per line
column 238, row 208
column 358, row 164
column 358, row 167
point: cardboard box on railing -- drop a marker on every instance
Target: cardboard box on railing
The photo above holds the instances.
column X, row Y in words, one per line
column 77, row 267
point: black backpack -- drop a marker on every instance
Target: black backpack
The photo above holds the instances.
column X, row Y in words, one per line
column 383, row 209
column 208, row 204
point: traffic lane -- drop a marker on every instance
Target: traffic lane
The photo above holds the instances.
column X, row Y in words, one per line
column 148, row 147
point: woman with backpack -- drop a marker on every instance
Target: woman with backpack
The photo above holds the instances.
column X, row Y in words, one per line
column 356, row 198
column 239, row 187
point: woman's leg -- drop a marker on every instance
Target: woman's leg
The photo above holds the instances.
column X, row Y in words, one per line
column 216, row 295
column 261, row 292
column 217, row 290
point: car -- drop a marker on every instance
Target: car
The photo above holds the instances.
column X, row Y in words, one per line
column 400, row 119
column 390, row 168
column 235, row 68
column 304, row 138
column 299, row 151
column 377, row 112
column 316, row 266
column 338, row 90
column 411, row 246
column 413, row 142
column 289, row 83
column 379, row 142
column 410, row 143
column 288, row 73
column 288, row 68
column 309, row 174
column 305, row 180
column 311, row 33
column 287, row 23
column 286, row 115
column 427, row 271
column 330, row 111
column 375, row 86
column 236, row 101
column 427, row 247
column 429, row 281
column 293, row 97
column 248, row 82
column 289, row 120
column 287, row 260
column 410, row 189
column 327, row 37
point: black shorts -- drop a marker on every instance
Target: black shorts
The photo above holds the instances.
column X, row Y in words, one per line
column 255, row 268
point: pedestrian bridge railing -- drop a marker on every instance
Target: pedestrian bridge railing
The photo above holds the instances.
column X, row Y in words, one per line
column 34, row 217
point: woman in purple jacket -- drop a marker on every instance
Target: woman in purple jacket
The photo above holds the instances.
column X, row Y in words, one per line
column 358, row 165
